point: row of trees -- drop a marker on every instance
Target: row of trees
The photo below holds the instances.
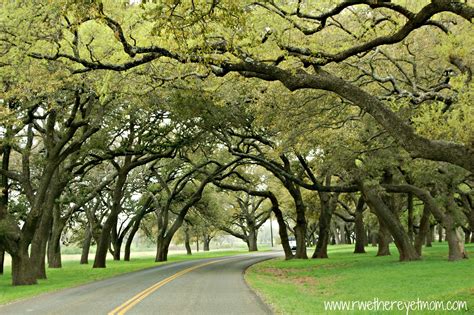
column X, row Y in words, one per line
column 344, row 120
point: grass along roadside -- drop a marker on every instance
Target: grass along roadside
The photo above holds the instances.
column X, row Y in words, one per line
column 302, row 286
column 73, row 274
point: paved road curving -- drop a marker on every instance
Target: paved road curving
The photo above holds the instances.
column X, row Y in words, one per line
column 204, row 286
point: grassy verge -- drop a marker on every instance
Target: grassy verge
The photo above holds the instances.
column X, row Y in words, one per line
column 73, row 274
column 302, row 286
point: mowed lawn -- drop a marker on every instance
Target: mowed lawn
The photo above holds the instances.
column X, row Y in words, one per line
column 73, row 274
column 302, row 286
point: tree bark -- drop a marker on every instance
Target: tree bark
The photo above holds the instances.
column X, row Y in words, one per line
column 300, row 227
column 128, row 243
column 136, row 225
column 383, row 240
column 54, row 243
column 323, row 235
column 430, row 236
column 206, row 242
column 187, row 241
column 162, row 246
column 359, row 228
column 39, row 243
column 117, row 249
column 447, row 219
column 424, row 230
column 43, row 231
column 390, row 220
column 455, row 241
column 86, row 245
column 104, row 242
column 328, row 204
column 252, row 240
column 54, row 250
column 23, row 272
column 111, row 221
column 440, row 233
column 282, row 228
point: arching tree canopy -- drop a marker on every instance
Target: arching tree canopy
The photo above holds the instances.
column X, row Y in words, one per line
column 213, row 115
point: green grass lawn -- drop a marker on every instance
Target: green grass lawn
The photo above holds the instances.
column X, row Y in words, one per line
column 73, row 274
column 302, row 286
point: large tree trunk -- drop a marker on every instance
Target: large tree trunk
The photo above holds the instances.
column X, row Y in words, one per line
column 104, row 242
column 391, row 221
column 207, row 241
column 447, row 219
column 300, row 227
column 252, row 240
column 115, row 243
column 323, row 240
column 117, row 248
column 39, row 243
column 359, row 228
column 54, row 251
column 454, row 238
column 162, row 246
column 328, row 203
column 383, row 240
column 424, row 230
column 136, row 225
column 43, row 232
column 23, row 272
column 187, row 241
column 86, row 245
column 118, row 237
column 54, row 244
column 111, row 222
column 456, row 244
column 282, row 228
column 128, row 243
column 430, row 236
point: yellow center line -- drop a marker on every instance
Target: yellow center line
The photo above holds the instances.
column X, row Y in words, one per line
column 122, row 309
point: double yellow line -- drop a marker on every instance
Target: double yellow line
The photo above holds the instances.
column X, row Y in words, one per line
column 125, row 307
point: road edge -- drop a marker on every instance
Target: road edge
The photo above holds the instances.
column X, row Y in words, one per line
column 260, row 298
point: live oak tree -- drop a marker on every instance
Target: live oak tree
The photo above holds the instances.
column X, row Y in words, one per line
column 245, row 218
column 58, row 134
column 369, row 98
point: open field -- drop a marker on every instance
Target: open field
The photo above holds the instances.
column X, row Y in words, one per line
column 302, row 286
column 73, row 274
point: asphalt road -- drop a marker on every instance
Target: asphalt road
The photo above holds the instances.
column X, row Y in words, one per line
column 205, row 286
